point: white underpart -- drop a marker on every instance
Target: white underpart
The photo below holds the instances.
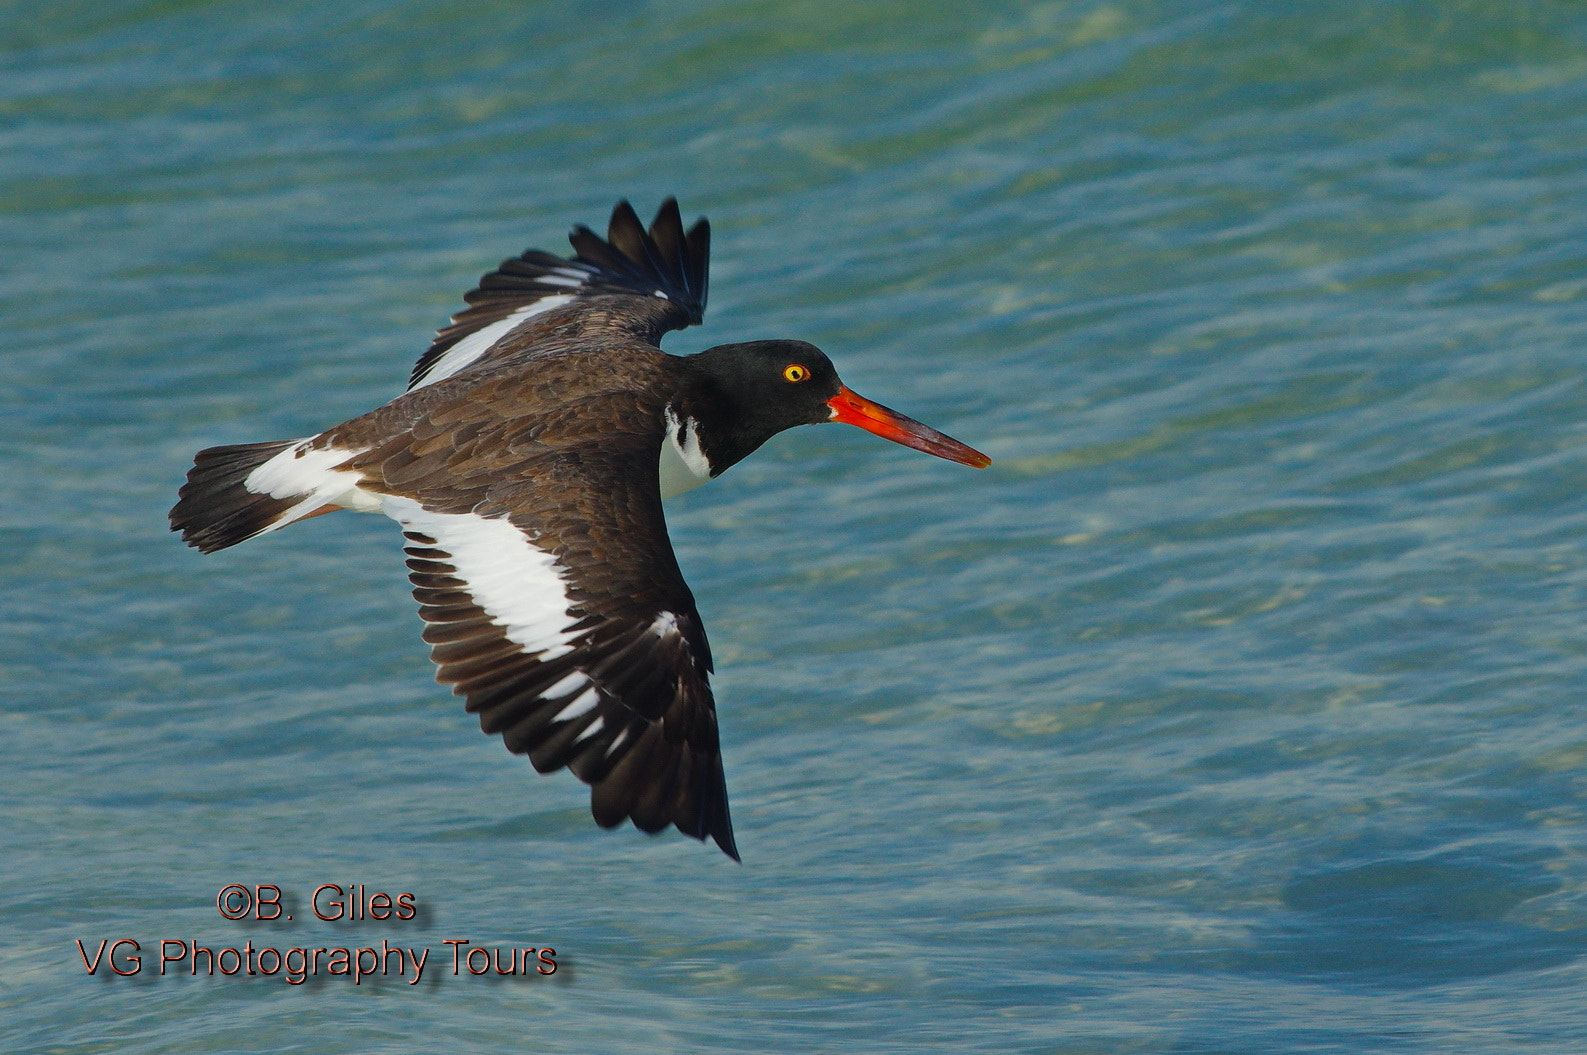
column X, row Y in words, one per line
column 617, row 741
column 683, row 463
column 476, row 344
column 594, row 727
column 313, row 476
column 520, row 586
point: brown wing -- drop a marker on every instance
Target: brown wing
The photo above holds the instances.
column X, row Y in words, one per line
column 666, row 267
column 555, row 606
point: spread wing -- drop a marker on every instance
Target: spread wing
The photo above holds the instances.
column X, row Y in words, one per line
column 554, row 606
column 665, row 266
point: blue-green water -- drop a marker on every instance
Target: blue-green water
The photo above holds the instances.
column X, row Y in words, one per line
column 1238, row 708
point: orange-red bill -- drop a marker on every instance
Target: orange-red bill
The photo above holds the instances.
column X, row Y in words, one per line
column 851, row 408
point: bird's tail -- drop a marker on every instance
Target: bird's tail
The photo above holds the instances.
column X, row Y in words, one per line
column 216, row 508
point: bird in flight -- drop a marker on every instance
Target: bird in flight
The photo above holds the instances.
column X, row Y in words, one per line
column 526, row 464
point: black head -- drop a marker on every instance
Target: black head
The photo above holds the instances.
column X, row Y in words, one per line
column 744, row 394
column 765, row 387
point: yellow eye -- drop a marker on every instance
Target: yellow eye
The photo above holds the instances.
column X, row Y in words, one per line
column 794, row 372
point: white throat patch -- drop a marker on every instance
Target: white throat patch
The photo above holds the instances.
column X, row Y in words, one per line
column 683, row 463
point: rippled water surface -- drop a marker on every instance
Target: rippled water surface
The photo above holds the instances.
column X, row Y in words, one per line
column 1237, row 708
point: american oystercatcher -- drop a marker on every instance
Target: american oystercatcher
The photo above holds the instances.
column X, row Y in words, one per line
column 527, row 463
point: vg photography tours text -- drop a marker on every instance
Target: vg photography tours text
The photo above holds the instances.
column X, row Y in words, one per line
column 188, row 957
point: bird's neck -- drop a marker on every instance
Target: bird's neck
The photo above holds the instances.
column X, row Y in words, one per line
column 711, row 422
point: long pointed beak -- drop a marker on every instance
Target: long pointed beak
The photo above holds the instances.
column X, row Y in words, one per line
column 851, row 408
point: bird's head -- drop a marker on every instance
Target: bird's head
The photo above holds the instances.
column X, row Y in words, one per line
column 764, row 387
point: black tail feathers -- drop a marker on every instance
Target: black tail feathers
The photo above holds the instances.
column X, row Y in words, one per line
column 214, row 508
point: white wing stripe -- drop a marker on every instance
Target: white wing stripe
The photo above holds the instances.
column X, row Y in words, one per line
column 476, row 344
column 520, row 586
column 566, row 685
column 583, row 705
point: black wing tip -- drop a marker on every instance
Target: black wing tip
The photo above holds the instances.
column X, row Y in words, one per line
column 724, row 839
column 721, row 835
column 663, row 257
column 710, row 821
column 719, row 831
column 623, row 218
